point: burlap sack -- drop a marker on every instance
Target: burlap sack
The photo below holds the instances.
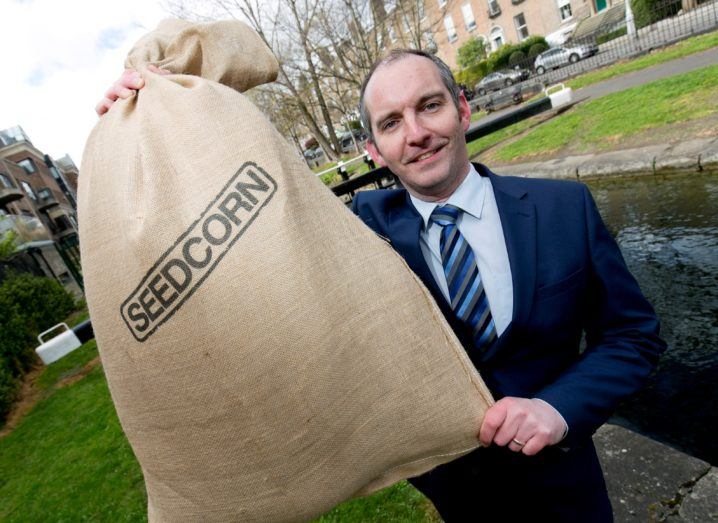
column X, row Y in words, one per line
column 268, row 355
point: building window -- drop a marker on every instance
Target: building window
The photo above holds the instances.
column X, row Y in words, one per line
column 494, row 9
column 450, row 29
column 521, row 29
column 28, row 165
column 468, row 14
column 496, row 37
column 564, row 9
column 5, row 181
column 28, row 190
column 45, row 193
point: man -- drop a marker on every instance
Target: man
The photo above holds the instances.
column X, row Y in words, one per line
column 521, row 268
column 550, row 272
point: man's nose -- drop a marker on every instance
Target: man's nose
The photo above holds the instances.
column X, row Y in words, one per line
column 416, row 133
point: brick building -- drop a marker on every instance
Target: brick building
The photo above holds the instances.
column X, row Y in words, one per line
column 498, row 22
column 38, row 201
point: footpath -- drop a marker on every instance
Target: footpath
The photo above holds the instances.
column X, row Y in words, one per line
column 650, row 481
column 693, row 155
column 697, row 155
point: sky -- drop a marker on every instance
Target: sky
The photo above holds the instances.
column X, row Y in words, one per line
column 58, row 57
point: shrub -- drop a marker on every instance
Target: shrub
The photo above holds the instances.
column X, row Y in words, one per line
column 646, row 12
column 499, row 59
column 536, row 49
column 607, row 37
column 41, row 302
column 471, row 75
column 16, row 341
column 9, row 386
column 517, row 58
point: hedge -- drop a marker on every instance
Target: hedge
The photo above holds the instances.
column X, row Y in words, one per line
column 29, row 305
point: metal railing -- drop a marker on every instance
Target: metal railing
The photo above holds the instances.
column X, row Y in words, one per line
column 621, row 37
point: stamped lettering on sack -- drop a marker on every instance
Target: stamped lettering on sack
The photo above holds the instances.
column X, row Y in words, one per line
column 183, row 268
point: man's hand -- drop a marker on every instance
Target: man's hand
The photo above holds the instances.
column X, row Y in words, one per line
column 124, row 87
column 525, row 425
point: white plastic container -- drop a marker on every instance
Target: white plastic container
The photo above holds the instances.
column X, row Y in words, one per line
column 561, row 96
column 57, row 347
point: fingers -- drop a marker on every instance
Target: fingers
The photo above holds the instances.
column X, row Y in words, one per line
column 125, row 86
column 493, row 419
column 522, row 425
column 157, row 70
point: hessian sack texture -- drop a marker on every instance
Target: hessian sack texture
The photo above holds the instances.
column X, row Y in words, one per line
column 268, row 355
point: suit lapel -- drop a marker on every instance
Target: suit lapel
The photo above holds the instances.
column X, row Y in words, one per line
column 518, row 221
column 405, row 224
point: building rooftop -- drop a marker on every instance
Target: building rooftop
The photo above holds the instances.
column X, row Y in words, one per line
column 13, row 135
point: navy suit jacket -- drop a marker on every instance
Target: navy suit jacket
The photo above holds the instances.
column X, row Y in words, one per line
column 569, row 280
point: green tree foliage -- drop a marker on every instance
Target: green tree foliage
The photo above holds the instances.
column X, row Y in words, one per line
column 471, row 52
column 29, row 305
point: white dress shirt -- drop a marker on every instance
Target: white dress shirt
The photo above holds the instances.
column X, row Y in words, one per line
column 480, row 225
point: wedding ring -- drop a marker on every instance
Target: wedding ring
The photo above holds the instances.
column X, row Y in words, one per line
column 519, row 443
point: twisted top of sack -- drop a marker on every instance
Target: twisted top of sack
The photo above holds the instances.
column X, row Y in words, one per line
column 228, row 52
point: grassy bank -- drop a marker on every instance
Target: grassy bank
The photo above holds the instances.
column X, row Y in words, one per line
column 646, row 112
column 68, row 459
column 683, row 48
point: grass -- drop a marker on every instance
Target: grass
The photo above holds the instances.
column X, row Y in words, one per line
column 332, row 177
column 683, row 48
column 68, row 460
column 476, row 146
column 601, row 124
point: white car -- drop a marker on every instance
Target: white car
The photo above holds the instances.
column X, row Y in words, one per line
column 560, row 56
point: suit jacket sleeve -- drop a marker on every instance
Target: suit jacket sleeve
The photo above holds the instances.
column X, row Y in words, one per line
column 621, row 333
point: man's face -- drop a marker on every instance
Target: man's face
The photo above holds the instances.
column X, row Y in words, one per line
column 418, row 131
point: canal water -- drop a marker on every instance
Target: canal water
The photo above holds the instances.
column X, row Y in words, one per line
column 667, row 228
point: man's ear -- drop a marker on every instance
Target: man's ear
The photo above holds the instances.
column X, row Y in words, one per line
column 373, row 150
column 464, row 111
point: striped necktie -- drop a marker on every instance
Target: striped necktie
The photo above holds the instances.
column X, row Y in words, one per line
column 468, row 299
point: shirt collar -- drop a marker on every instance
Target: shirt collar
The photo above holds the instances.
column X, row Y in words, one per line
column 469, row 197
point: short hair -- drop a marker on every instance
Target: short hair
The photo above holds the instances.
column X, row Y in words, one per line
column 447, row 78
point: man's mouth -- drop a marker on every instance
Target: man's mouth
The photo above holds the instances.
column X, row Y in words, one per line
column 427, row 154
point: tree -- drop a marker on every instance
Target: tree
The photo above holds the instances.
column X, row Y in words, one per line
column 472, row 51
column 324, row 49
column 7, row 245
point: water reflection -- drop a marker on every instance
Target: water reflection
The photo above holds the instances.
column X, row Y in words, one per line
column 667, row 228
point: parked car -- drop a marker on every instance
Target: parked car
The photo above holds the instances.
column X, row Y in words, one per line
column 500, row 79
column 311, row 154
column 559, row 56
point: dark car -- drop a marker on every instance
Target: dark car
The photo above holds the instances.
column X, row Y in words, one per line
column 500, row 79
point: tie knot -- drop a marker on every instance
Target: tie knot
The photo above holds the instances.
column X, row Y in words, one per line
column 445, row 215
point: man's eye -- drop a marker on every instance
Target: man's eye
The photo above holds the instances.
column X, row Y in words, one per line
column 431, row 106
column 388, row 125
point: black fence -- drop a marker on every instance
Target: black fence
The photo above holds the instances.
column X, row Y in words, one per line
column 601, row 40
